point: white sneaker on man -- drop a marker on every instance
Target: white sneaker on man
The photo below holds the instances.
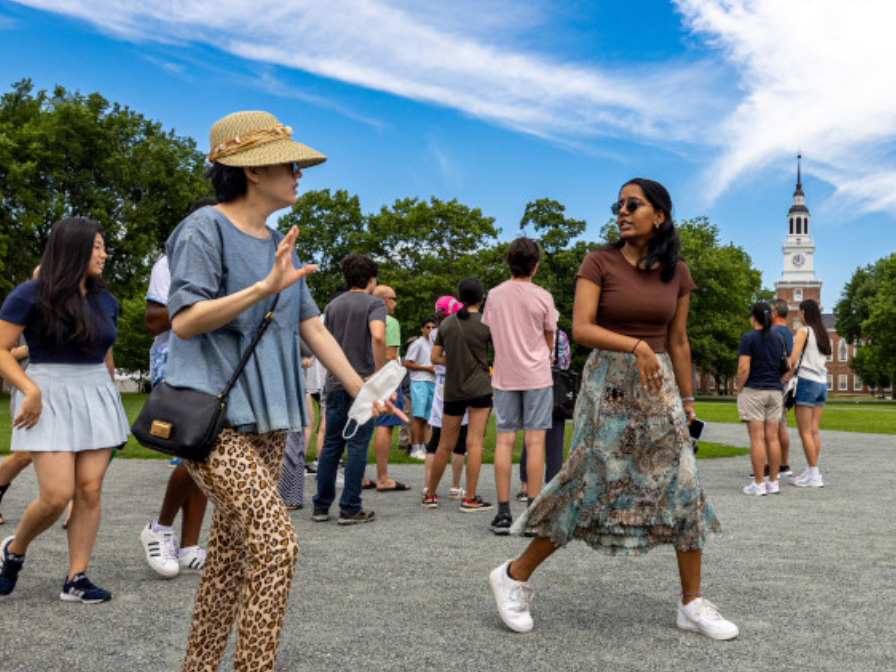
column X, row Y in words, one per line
column 193, row 559
column 703, row 616
column 513, row 598
column 161, row 551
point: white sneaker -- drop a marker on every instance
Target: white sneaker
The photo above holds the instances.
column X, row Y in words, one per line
column 512, row 598
column 340, row 477
column 418, row 454
column 809, row 481
column 755, row 489
column 703, row 616
column 801, row 476
column 161, row 551
column 193, row 559
column 772, row 488
column 456, row 493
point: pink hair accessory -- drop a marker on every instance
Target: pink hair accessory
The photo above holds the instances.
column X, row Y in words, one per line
column 447, row 305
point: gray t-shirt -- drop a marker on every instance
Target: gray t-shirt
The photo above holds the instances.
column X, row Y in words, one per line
column 209, row 258
column 348, row 318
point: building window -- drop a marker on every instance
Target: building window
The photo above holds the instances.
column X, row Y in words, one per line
column 710, row 382
column 830, row 382
column 857, row 383
column 841, row 382
column 843, row 350
column 791, row 226
column 798, row 294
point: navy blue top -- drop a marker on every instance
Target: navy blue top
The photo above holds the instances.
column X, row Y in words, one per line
column 765, row 359
column 786, row 334
column 22, row 307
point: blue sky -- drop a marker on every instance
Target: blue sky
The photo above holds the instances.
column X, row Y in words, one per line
column 497, row 103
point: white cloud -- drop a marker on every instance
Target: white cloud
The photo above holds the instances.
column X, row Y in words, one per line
column 817, row 75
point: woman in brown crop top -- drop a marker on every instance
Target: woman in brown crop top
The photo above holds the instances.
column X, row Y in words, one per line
column 630, row 482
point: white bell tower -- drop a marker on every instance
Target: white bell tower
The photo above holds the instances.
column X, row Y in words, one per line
column 798, row 281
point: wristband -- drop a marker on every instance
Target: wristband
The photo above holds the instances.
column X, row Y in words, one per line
column 635, row 346
column 687, row 398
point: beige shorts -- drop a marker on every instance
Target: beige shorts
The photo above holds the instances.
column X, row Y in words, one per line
column 760, row 405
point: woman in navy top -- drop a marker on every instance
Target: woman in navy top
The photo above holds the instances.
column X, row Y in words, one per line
column 759, row 400
column 68, row 414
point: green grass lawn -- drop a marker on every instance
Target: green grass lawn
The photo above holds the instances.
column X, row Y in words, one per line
column 850, row 416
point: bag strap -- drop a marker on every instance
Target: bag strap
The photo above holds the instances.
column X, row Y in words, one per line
column 269, row 315
column 463, row 336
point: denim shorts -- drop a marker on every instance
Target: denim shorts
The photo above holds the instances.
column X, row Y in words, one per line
column 810, row 392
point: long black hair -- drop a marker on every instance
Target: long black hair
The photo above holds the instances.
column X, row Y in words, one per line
column 762, row 313
column 469, row 292
column 66, row 314
column 664, row 246
column 812, row 318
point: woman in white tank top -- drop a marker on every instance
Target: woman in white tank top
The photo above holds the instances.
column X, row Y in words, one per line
column 812, row 344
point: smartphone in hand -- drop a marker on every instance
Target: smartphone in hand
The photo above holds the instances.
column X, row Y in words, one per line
column 695, row 428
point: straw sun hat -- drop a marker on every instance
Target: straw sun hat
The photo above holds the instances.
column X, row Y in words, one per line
column 257, row 139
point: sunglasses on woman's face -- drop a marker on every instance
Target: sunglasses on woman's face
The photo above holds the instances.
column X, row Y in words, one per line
column 630, row 205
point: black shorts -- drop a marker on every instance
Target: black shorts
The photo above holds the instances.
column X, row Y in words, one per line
column 456, row 408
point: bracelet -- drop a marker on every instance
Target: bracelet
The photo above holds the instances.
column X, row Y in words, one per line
column 635, row 346
column 687, row 398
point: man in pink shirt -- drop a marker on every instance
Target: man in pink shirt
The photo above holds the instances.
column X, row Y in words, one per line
column 522, row 319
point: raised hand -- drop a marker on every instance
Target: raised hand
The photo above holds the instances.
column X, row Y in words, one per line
column 283, row 273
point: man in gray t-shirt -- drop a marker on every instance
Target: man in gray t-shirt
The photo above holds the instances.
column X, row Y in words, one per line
column 357, row 321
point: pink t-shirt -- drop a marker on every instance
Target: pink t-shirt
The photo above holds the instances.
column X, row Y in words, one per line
column 518, row 314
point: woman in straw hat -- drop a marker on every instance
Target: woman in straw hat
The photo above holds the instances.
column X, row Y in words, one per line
column 227, row 267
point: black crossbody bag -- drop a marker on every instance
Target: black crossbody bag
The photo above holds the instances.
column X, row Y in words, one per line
column 184, row 422
column 566, row 387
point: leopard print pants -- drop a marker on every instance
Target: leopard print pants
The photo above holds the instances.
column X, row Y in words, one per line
column 252, row 549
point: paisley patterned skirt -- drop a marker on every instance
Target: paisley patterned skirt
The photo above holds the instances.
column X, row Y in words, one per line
column 630, row 482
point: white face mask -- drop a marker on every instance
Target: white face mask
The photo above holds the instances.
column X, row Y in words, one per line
column 379, row 387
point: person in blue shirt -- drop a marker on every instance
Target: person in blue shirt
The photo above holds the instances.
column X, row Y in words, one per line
column 68, row 413
column 227, row 267
column 759, row 401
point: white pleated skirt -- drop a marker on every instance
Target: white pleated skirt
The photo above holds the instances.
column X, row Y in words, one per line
column 80, row 410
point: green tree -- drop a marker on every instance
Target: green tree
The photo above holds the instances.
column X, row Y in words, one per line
column 867, row 312
column 727, row 286
column 133, row 342
column 65, row 154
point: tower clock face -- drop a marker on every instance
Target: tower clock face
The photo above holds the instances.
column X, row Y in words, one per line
column 798, row 259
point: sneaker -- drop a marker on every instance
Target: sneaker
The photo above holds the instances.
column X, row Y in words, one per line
column 430, row 501
column 772, row 488
column 755, row 489
column 522, row 496
column 320, row 515
column 501, row 524
column 80, row 589
column 512, row 598
column 808, row 481
column 764, row 473
column 340, row 477
column 785, row 470
column 418, row 454
column 174, row 461
column 161, row 551
column 192, row 560
column 362, row 516
column 311, row 468
column 456, row 493
column 10, row 565
column 475, row 504
column 703, row 616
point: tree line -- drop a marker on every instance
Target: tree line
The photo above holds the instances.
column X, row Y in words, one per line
column 63, row 153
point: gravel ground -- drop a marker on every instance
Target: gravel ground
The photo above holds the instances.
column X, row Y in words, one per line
column 802, row 574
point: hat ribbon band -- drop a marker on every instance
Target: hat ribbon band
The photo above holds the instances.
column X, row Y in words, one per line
column 250, row 140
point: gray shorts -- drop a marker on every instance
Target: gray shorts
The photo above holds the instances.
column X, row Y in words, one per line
column 760, row 405
column 523, row 409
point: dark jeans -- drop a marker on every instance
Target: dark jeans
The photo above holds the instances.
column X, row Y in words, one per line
column 553, row 452
column 337, row 404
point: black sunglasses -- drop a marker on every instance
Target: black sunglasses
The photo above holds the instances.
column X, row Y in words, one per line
column 630, row 205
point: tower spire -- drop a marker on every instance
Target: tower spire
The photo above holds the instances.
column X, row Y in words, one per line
column 799, row 178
